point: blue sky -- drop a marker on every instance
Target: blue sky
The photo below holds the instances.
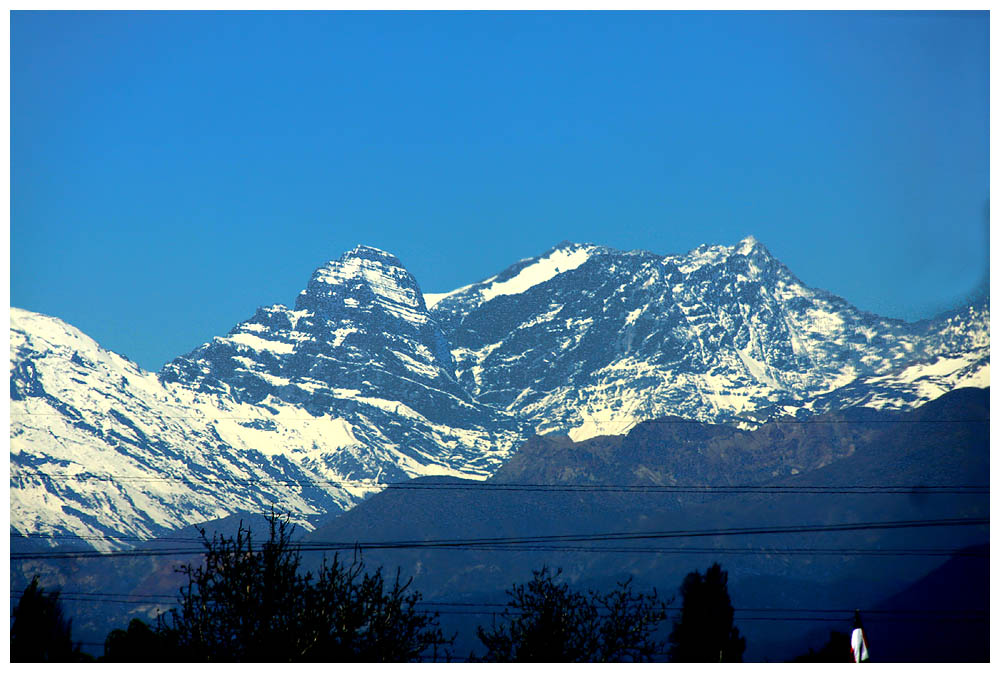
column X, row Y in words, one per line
column 170, row 172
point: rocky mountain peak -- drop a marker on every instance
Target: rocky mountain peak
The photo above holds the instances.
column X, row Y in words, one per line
column 756, row 254
column 363, row 278
column 713, row 334
column 748, row 245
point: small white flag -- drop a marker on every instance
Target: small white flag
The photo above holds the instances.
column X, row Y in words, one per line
column 859, row 646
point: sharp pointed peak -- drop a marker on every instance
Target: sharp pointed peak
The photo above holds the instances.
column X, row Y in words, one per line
column 368, row 252
column 360, row 275
column 363, row 246
column 747, row 244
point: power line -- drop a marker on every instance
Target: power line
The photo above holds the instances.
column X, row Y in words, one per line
column 104, row 594
column 769, row 618
column 599, row 537
column 123, row 538
column 483, row 486
column 670, row 608
column 783, row 551
column 505, row 609
column 757, row 618
column 744, row 552
column 781, row 610
column 120, row 601
column 524, row 542
column 428, row 657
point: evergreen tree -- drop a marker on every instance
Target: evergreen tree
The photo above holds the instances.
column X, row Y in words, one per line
column 39, row 632
column 546, row 621
column 704, row 632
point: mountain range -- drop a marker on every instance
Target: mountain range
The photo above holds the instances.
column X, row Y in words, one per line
column 368, row 381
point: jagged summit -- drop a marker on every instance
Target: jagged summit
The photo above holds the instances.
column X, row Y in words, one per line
column 710, row 254
column 360, row 278
column 360, row 250
column 570, row 245
column 588, row 340
column 751, row 248
column 747, row 244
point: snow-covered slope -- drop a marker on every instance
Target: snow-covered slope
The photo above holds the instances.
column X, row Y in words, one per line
column 595, row 339
column 100, row 447
column 307, row 409
column 957, row 355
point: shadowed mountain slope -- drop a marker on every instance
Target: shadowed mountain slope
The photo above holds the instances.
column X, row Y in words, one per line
column 942, row 444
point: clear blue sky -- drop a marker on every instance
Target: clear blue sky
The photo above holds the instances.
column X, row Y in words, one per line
column 170, row 172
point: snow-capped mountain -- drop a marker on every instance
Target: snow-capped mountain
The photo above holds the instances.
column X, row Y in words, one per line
column 360, row 384
column 307, row 409
column 359, row 345
column 958, row 356
column 587, row 340
column 100, row 447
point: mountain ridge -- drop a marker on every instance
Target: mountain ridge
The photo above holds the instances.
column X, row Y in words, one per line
column 361, row 384
column 732, row 328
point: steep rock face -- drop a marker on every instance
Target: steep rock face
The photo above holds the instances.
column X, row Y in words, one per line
column 360, row 345
column 590, row 340
column 360, row 323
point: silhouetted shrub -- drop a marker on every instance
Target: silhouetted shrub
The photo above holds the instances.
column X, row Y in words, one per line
column 546, row 621
column 247, row 603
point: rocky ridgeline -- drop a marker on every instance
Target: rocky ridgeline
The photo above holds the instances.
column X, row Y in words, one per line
column 721, row 334
column 361, row 384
